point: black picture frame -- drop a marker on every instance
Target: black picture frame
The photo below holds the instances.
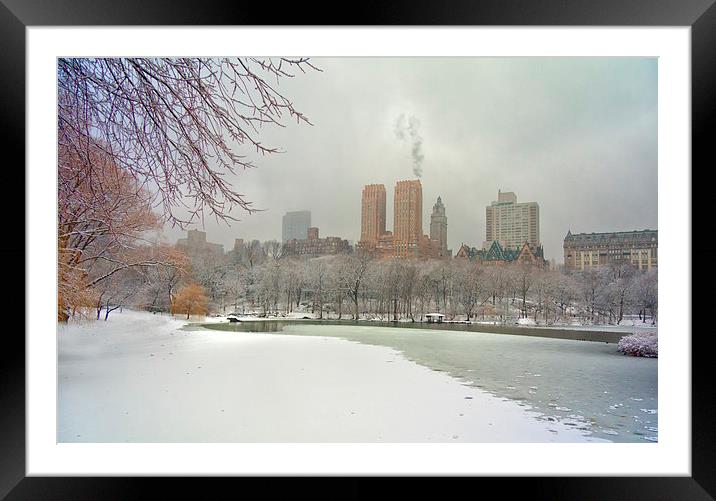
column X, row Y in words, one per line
column 700, row 15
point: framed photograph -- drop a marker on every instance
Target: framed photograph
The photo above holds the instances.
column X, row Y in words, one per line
column 424, row 245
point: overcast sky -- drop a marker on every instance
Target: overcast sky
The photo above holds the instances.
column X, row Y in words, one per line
column 576, row 135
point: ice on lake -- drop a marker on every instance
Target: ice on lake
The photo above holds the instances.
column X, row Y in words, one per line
column 592, row 379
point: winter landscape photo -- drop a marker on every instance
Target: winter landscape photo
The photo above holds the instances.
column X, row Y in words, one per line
column 357, row 250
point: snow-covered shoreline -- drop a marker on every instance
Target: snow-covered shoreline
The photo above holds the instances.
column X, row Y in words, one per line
column 627, row 326
column 140, row 378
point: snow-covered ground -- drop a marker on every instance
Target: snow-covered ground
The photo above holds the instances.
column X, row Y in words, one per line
column 139, row 378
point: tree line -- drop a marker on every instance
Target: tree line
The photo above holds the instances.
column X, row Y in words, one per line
column 260, row 279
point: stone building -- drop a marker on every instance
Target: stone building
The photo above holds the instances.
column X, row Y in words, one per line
column 638, row 248
column 438, row 228
column 237, row 253
column 196, row 246
column 384, row 248
column 315, row 246
column 498, row 255
column 511, row 223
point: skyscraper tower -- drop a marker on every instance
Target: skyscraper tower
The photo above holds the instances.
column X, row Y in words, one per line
column 372, row 223
column 438, row 227
column 510, row 223
column 408, row 217
column 295, row 225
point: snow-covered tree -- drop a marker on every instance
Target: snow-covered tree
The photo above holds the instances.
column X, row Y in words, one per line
column 471, row 285
column 646, row 296
column 318, row 283
column 103, row 217
column 564, row 292
column 352, row 276
column 139, row 138
column 174, row 124
column 524, row 278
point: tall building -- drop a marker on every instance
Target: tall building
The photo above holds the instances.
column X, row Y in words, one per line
column 372, row 223
column 592, row 250
column 510, row 223
column 406, row 239
column 438, row 228
column 407, row 217
column 295, row 225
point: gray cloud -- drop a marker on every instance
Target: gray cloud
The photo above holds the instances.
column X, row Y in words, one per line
column 576, row 135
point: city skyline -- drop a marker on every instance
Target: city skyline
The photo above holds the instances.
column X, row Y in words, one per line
column 575, row 135
column 374, row 214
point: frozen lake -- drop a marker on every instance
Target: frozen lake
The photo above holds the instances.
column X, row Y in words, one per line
column 588, row 385
column 147, row 378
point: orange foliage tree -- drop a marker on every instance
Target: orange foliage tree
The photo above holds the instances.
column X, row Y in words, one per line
column 104, row 218
column 191, row 299
column 137, row 134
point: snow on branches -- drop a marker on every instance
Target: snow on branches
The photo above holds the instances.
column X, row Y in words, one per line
column 140, row 139
column 641, row 344
column 174, row 124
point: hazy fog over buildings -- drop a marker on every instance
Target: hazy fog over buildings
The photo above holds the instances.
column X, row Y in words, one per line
column 295, row 224
column 578, row 136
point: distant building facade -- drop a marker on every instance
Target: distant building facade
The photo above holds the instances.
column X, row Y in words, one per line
column 407, row 218
column 295, row 225
column 496, row 254
column 592, row 250
column 235, row 255
column 438, row 228
column 407, row 239
column 374, row 238
column 315, row 246
column 510, row 223
column 384, row 247
column 372, row 224
column 196, row 246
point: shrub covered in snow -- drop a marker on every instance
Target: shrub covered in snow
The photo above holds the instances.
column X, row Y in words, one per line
column 641, row 344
